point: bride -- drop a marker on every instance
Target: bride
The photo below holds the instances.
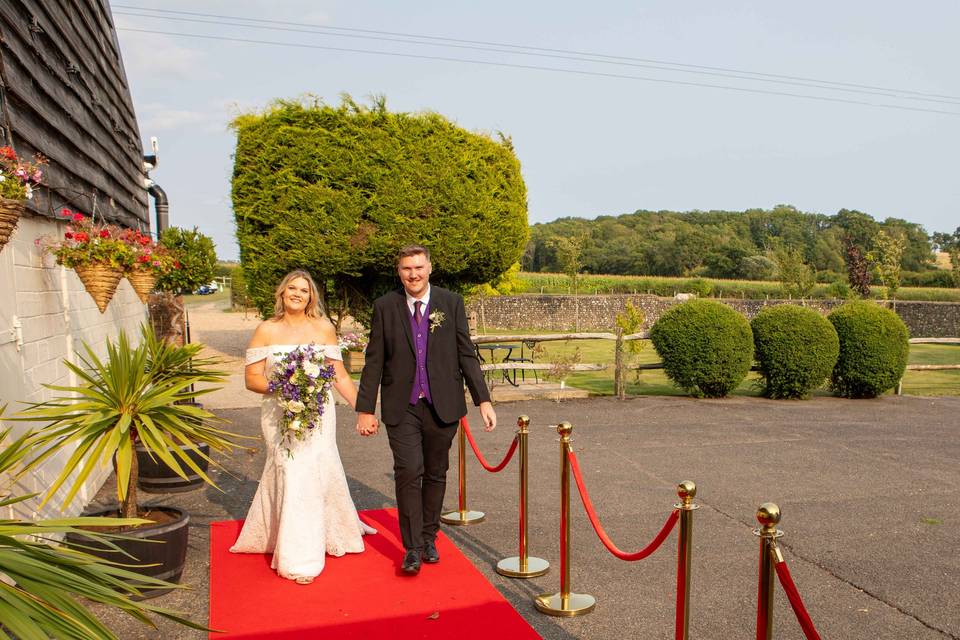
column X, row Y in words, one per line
column 302, row 509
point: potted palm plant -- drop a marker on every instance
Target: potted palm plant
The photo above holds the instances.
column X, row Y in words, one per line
column 126, row 399
column 40, row 596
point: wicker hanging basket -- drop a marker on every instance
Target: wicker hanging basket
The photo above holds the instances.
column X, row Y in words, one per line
column 143, row 281
column 10, row 212
column 100, row 281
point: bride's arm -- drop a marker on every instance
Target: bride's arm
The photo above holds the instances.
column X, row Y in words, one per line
column 254, row 374
column 344, row 383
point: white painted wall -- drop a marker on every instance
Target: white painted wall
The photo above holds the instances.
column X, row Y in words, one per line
column 56, row 316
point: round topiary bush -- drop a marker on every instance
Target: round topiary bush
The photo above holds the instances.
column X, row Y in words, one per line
column 706, row 347
column 796, row 349
column 873, row 349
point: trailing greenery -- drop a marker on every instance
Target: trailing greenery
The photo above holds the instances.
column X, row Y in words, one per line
column 197, row 256
column 558, row 283
column 339, row 190
column 873, row 349
column 706, row 347
column 796, row 349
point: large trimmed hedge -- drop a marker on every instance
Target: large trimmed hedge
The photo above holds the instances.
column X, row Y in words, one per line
column 706, row 347
column 338, row 190
column 874, row 345
column 796, row 349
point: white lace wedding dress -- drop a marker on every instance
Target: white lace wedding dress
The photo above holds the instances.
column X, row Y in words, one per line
column 302, row 509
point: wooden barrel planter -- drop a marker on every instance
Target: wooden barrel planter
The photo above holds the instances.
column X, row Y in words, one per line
column 163, row 545
column 354, row 361
column 156, row 477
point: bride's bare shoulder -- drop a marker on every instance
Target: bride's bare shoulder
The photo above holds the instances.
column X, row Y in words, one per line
column 325, row 329
column 265, row 334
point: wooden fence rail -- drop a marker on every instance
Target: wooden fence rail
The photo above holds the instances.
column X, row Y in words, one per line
column 619, row 366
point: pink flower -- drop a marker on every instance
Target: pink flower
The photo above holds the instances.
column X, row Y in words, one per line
column 66, row 213
column 156, row 263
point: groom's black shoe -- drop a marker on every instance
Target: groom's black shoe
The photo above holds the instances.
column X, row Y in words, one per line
column 430, row 554
column 411, row 562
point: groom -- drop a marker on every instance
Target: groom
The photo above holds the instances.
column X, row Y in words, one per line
column 420, row 354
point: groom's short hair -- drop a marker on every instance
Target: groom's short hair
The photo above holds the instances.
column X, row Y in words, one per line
column 412, row 250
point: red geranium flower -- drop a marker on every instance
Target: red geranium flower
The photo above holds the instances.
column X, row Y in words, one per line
column 68, row 235
column 78, row 217
column 80, row 236
column 104, row 233
column 66, row 213
column 144, row 258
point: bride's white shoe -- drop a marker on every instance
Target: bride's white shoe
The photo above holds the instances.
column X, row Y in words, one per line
column 303, row 580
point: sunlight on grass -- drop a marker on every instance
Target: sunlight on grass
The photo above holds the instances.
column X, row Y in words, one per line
column 919, row 383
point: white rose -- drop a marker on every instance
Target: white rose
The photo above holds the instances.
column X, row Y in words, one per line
column 295, row 425
column 311, row 369
column 295, row 406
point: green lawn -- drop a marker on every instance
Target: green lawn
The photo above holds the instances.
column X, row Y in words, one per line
column 655, row 382
column 220, row 297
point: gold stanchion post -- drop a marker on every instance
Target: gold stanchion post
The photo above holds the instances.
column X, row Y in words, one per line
column 768, row 515
column 564, row 603
column 462, row 516
column 523, row 566
column 686, row 491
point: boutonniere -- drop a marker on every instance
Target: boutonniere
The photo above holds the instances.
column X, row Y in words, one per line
column 436, row 319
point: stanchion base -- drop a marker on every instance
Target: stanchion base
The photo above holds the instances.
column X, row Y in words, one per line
column 460, row 518
column 575, row 604
column 510, row 567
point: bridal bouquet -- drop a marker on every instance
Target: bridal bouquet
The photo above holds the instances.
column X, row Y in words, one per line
column 301, row 383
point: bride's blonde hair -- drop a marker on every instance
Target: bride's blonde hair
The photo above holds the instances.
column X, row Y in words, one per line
column 313, row 308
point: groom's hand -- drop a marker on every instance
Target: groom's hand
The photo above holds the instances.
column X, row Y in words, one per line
column 489, row 416
column 367, row 424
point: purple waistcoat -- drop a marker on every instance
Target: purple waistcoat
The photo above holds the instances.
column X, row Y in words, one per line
column 421, row 385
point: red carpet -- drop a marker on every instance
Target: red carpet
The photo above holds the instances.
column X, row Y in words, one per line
column 357, row 596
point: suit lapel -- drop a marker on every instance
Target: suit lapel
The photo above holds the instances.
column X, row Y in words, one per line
column 405, row 317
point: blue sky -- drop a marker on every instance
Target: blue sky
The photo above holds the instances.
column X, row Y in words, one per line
column 589, row 144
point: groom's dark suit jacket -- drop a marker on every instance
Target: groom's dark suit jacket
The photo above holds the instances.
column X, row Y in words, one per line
column 391, row 362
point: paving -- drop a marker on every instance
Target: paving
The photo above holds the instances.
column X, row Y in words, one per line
column 870, row 494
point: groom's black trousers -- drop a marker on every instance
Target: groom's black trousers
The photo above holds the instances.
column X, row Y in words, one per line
column 421, row 456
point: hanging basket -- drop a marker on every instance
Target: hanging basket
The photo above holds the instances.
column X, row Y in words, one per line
column 10, row 212
column 100, row 281
column 143, row 281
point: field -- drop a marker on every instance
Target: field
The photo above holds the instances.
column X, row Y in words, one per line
column 655, row 382
column 704, row 287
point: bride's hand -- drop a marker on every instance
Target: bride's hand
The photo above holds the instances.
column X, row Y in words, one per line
column 367, row 424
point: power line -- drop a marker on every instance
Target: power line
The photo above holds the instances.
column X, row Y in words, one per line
column 556, row 56
column 759, row 76
column 542, row 68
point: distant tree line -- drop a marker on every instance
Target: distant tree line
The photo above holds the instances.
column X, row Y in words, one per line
column 756, row 244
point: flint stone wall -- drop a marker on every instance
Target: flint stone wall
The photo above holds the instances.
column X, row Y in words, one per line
column 597, row 312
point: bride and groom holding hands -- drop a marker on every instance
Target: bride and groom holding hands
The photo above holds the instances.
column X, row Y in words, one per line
column 419, row 356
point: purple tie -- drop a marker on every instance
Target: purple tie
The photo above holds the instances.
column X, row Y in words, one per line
column 417, row 315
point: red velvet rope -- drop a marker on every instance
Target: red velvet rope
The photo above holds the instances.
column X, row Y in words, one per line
column 604, row 538
column 786, row 581
column 476, row 450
